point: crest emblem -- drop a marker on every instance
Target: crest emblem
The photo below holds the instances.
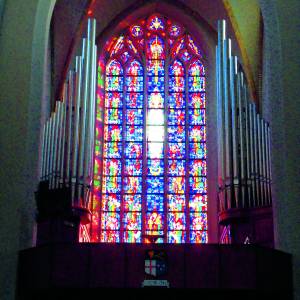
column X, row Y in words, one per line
column 155, row 263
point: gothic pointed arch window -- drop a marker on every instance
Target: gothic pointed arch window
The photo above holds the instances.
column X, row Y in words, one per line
column 150, row 155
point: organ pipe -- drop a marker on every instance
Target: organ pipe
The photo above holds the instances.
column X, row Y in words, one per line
column 68, row 135
column 243, row 135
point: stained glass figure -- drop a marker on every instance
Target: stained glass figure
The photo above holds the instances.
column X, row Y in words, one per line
column 155, row 48
column 150, row 148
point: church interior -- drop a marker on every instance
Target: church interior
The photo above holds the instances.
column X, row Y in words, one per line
column 150, row 144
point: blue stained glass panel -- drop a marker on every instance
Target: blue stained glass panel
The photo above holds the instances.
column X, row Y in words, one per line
column 112, row 150
column 134, row 117
column 176, row 150
column 196, row 84
column 111, row 184
column 155, row 167
column 155, row 150
column 176, row 185
column 198, row 203
column 156, row 99
column 133, row 167
column 177, row 100
column 185, row 55
column 198, row 237
column 112, row 167
column 113, row 116
column 155, row 185
column 198, row 185
column 132, row 221
column 112, row 133
column 176, row 84
column 155, row 202
column 197, row 116
column 176, row 237
column 176, row 221
column 134, row 100
column 134, row 133
column 198, row 221
column 154, row 221
column 176, row 117
column 111, row 202
column 132, row 185
column 134, row 69
column 113, row 99
column 198, row 167
column 133, row 150
column 134, row 84
column 197, row 133
column 156, row 68
column 176, row 167
column 176, row 203
column 176, row 133
column 156, row 83
column 198, row 150
column 197, row 100
column 114, row 83
column 176, row 69
column 132, row 202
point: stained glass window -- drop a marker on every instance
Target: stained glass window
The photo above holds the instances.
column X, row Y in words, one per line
column 150, row 152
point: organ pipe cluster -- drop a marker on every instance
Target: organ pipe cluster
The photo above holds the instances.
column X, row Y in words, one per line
column 244, row 173
column 68, row 135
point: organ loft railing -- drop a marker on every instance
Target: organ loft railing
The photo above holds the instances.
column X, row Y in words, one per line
column 244, row 172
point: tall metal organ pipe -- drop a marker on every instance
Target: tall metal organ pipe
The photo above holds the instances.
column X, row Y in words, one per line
column 68, row 134
column 244, row 175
